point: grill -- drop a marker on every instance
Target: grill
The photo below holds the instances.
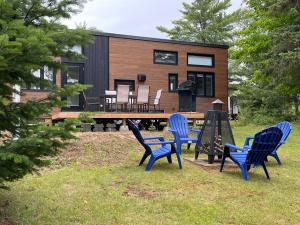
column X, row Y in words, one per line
column 187, row 97
column 216, row 131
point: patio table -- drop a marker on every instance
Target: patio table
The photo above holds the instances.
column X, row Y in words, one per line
column 108, row 105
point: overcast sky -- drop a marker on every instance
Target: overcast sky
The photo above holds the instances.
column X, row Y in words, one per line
column 133, row 17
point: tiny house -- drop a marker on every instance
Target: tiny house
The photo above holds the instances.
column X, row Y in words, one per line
column 114, row 59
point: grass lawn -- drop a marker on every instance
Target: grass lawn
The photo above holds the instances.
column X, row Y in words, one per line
column 97, row 181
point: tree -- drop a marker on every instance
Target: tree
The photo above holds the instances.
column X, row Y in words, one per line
column 270, row 46
column 206, row 21
column 31, row 37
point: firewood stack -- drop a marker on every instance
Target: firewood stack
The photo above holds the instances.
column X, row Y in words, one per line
column 218, row 144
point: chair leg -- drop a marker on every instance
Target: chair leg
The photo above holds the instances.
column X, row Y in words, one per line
column 244, row 172
column 150, row 163
column 146, row 154
column 178, row 148
column 188, row 146
column 222, row 162
column 197, row 154
column 276, row 157
column 169, row 157
column 265, row 169
column 179, row 160
column 226, row 154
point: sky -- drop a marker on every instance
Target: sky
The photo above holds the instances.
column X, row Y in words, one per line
column 132, row 17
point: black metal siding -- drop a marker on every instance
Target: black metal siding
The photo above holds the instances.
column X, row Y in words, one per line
column 97, row 66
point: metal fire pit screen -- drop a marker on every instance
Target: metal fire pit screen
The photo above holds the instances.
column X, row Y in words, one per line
column 216, row 131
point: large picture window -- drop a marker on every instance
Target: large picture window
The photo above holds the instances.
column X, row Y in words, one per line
column 200, row 60
column 165, row 57
column 205, row 83
column 45, row 73
column 131, row 84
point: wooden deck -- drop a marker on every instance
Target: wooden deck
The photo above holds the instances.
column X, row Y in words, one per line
column 114, row 115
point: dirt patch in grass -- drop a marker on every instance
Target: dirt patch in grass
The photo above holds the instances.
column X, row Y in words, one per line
column 98, row 149
column 134, row 191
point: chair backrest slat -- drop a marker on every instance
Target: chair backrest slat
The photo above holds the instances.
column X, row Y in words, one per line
column 286, row 128
column 157, row 97
column 263, row 144
column 143, row 94
column 122, row 93
column 180, row 123
column 135, row 130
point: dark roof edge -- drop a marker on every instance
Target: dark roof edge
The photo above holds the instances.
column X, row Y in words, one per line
column 97, row 33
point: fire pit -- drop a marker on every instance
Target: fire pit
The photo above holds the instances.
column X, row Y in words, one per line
column 216, row 131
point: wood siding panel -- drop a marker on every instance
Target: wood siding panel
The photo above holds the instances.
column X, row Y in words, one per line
column 128, row 57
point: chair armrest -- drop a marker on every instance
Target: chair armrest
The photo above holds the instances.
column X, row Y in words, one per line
column 159, row 143
column 195, row 130
column 175, row 133
column 247, row 141
column 154, row 137
column 230, row 146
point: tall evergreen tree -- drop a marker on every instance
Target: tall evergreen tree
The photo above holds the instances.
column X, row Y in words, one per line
column 206, row 21
column 270, row 46
column 31, row 37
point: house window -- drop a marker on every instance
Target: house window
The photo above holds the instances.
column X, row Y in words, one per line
column 165, row 57
column 77, row 49
column 205, row 83
column 173, row 82
column 45, row 73
column 131, row 84
column 200, row 60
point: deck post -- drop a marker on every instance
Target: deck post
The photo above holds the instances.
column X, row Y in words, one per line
column 194, row 122
column 124, row 127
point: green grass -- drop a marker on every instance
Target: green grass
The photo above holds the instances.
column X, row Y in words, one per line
column 99, row 182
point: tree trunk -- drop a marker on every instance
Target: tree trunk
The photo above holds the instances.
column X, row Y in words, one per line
column 296, row 105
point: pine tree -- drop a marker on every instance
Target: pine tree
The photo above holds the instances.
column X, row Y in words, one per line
column 31, row 37
column 206, row 21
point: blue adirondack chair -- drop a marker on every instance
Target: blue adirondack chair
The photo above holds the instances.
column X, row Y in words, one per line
column 263, row 144
column 286, row 129
column 163, row 151
column 180, row 130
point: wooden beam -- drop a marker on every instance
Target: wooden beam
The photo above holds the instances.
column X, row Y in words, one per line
column 105, row 115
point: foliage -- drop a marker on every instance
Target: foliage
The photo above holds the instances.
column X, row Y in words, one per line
column 206, row 21
column 269, row 47
column 86, row 117
column 31, row 37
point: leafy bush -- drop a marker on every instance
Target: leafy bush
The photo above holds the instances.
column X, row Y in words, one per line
column 86, row 117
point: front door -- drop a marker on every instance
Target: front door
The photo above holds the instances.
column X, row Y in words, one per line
column 72, row 74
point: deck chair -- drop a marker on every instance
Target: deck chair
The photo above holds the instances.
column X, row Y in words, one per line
column 180, row 130
column 143, row 98
column 263, row 144
column 91, row 101
column 286, row 129
column 122, row 96
column 156, row 101
column 166, row 150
